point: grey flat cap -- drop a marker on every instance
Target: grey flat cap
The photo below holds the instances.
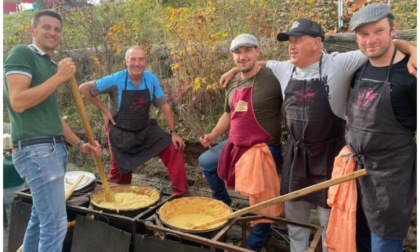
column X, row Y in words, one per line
column 369, row 14
column 246, row 40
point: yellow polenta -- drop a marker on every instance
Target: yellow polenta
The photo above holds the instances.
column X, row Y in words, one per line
column 129, row 198
column 188, row 212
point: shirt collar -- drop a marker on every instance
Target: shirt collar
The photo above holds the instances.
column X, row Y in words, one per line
column 37, row 50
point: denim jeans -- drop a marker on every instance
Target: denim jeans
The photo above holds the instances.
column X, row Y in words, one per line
column 208, row 165
column 385, row 245
column 43, row 167
column 368, row 241
column 208, row 161
column 373, row 242
column 258, row 236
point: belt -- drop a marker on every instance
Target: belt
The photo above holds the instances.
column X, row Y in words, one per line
column 38, row 140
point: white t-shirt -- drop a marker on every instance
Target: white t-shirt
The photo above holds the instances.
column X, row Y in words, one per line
column 337, row 69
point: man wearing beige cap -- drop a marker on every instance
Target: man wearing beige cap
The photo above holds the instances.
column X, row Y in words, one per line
column 382, row 124
column 315, row 87
column 252, row 114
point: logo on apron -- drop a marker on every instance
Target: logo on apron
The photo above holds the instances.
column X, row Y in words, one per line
column 241, row 106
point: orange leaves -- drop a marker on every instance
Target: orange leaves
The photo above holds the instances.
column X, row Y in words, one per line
column 196, row 36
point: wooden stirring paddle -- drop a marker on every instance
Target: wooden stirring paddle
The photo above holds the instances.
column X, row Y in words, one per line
column 289, row 196
column 109, row 195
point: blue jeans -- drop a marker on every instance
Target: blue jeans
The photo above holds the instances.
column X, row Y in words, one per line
column 208, row 162
column 43, row 167
column 385, row 245
column 373, row 242
column 368, row 241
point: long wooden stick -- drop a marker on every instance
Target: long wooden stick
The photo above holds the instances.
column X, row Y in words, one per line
column 66, row 196
column 109, row 195
column 289, row 196
column 73, row 186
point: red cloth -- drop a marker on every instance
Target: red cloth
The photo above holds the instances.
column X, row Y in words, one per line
column 256, row 176
column 341, row 230
column 9, row 7
column 230, row 154
column 174, row 165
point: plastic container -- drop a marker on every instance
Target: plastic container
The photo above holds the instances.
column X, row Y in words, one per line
column 10, row 176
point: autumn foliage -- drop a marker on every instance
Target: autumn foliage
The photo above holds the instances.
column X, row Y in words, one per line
column 187, row 43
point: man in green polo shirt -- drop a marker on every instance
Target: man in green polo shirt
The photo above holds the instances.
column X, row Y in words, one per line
column 37, row 130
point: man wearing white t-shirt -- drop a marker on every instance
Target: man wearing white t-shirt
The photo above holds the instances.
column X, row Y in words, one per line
column 315, row 88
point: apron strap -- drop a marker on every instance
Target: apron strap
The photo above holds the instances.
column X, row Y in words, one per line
column 142, row 77
column 389, row 68
column 390, row 64
column 126, row 80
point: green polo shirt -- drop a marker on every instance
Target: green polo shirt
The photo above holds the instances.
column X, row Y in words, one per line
column 44, row 118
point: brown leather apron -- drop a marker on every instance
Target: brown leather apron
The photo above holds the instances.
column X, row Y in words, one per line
column 388, row 152
column 316, row 137
column 134, row 137
column 245, row 132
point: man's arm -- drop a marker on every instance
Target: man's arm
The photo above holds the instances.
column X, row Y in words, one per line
column 170, row 122
column 74, row 140
column 408, row 48
column 169, row 116
column 24, row 97
column 222, row 126
column 226, row 77
column 85, row 90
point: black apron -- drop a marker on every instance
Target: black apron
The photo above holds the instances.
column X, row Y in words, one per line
column 388, row 152
column 134, row 137
column 316, row 137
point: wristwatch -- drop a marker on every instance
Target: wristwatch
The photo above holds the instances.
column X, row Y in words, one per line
column 80, row 143
column 172, row 131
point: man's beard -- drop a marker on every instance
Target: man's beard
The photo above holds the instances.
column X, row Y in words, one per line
column 247, row 69
column 381, row 52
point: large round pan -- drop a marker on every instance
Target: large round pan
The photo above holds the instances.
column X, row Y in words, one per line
column 183, row 213
column 126, row 202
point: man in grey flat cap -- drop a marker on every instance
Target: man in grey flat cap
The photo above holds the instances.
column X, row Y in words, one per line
column 252, row 113
column 315, row 88
column 382, row 124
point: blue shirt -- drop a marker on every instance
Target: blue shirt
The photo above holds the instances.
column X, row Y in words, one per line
column 118, row 80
